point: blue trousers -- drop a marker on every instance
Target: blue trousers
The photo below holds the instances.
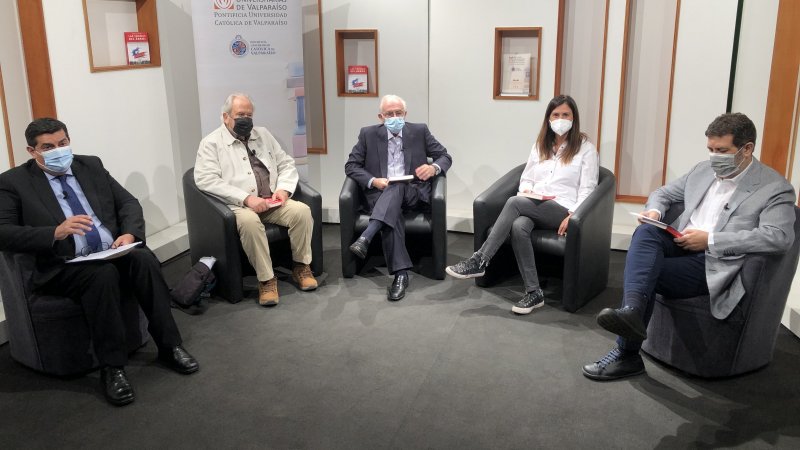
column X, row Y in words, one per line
column 656, row 265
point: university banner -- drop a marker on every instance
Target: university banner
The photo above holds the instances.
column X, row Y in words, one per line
column 255, row 47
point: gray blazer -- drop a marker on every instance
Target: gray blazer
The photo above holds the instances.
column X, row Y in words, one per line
column 759, row 218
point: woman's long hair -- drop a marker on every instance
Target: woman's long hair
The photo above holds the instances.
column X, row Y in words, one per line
column 547, row 137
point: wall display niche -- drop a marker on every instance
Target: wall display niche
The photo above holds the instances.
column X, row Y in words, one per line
column 107, row 21
column 517, row 58
column 357, row 63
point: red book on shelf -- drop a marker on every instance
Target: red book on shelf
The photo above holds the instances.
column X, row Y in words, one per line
column 137, row 47
column 357, row 79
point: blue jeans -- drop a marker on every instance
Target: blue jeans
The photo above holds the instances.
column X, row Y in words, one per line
column 656, row 265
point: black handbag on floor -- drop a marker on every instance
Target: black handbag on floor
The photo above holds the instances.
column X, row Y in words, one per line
column 194, row 287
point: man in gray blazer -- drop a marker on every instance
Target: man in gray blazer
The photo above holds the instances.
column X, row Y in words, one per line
column 734, row 206
column 391, row 149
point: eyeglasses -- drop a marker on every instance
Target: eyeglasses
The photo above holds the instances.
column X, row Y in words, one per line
column 88, row 250
column 397, row 113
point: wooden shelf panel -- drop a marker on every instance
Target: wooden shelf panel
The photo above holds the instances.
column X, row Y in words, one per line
column 510, row 41
column 108, row 36
column 357, row 48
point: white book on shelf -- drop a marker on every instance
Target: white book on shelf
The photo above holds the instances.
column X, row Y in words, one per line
column 516, row 74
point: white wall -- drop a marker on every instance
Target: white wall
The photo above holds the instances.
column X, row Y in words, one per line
column 15, row 82
column 750, row 97
column 582, row 63
column 700, row 83
column 700, row 86
column 486, row 137
column 754, row 62
column 120, row 116
column 180, row 79
column 403, row 66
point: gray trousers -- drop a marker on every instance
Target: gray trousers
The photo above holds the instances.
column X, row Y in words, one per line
column 519, row 217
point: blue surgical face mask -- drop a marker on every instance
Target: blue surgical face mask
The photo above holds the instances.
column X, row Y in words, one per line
column 394, row 124
column 58, row 159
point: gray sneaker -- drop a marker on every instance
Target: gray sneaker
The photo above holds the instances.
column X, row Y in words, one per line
column 472, row 267
column 529, row 302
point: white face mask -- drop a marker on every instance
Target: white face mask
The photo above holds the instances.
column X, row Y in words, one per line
column 560, row 126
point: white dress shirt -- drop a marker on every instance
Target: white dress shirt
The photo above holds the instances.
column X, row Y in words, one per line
column 80, row 241
column 570, row 183
column 707, row 213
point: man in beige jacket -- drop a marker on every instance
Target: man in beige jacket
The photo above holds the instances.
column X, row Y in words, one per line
column 246, row 168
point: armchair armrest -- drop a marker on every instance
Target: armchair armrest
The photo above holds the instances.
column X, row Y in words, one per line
column 208, row 220
column 597, row 209
column 348, row 210
column 488, row 204
column 439, row 224
column 311, row 197
column 438, row 197
column 212, row 232
column 588, row 244
column 307, row 194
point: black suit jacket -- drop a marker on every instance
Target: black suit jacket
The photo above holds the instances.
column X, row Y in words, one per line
column 370, row 157
column 29, row 212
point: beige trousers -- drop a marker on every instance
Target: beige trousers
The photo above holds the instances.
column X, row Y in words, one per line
column 294, row 215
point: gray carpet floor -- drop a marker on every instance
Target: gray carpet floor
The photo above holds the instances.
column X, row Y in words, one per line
column 448, row 367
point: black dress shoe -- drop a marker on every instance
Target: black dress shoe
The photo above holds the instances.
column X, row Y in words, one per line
column 116, row 387
column 398, row 288
column 615, row 365
column 360, row 247
column 179, row 360
column 624, row 322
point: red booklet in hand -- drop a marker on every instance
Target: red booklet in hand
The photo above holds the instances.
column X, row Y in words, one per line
column 273, row 203
column 659, row 224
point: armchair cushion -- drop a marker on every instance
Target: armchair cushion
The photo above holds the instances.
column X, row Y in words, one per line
column 581, row 257
column 213, row 232
column 682, row 332
column 49, row 333
column 429, row 224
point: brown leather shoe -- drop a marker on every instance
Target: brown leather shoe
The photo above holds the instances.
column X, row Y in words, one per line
column 268, row 292
column 302, row 275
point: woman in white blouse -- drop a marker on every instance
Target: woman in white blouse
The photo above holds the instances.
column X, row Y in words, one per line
column 562, row 171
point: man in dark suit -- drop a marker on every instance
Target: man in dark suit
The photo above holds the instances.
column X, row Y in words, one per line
column 58, row 206
column 391, row 149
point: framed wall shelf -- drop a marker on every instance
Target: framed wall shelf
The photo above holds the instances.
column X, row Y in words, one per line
column 357, row 63
column 106, row 22
column 517, row 56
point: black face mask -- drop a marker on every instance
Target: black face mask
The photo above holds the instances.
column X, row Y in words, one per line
column 242, row 126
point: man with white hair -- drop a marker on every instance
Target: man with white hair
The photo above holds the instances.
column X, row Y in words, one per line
column 394, row 148
column 246, row 168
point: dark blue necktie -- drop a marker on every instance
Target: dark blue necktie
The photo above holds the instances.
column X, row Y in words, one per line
column 92, row 236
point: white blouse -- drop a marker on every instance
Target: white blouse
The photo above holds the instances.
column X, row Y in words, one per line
column 570, row 183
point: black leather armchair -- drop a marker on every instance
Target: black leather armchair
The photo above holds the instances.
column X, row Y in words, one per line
column 682, row 332
column 49, row 333
column 426, row 231
column 581, row 257
column 212, row 232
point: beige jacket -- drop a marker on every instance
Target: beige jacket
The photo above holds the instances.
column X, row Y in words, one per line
column 223, row 170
